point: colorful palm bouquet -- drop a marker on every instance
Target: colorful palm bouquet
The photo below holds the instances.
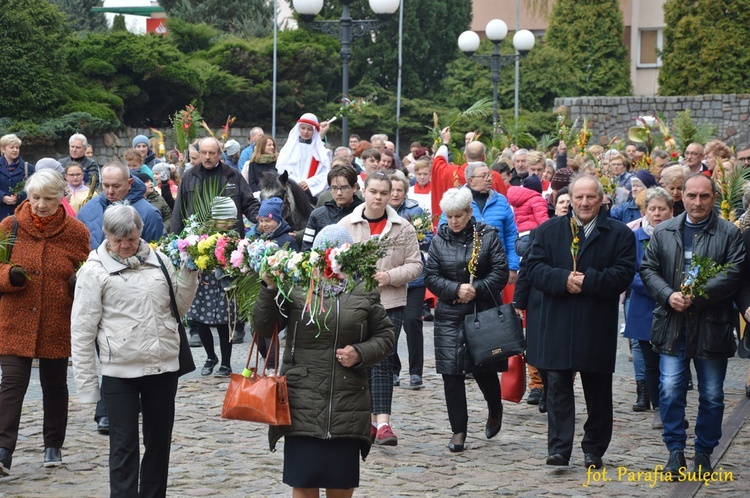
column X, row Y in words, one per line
column 319, row 273
column 702, row 269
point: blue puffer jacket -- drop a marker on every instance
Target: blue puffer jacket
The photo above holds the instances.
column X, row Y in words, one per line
column 409, row 209
column 498, row 213
column 92, row 214
column 641, row 309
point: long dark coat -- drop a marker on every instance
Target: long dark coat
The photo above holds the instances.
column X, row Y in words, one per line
column 579, row 331
column 447, row 269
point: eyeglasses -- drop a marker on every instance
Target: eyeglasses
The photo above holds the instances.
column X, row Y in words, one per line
column 744, row 159
column 692, row 153
column 74, row 175
column 485, row 176
column 343, row 188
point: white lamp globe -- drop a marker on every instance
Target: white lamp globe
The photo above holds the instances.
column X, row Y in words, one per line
column 496, row 30
column 468, row 42
column 384, row 7
column 523, row 41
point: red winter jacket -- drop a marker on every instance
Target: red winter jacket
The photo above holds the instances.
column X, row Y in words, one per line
column 529, row 208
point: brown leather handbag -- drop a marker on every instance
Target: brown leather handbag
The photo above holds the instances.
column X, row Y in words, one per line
column 256, row 397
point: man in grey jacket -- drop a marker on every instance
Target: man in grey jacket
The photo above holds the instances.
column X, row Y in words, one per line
column 693, row 323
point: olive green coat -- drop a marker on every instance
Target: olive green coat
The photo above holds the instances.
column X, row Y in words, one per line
column 327, row 400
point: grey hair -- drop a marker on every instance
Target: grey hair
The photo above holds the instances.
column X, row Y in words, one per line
column 658, row 193
column 456, row 199
column 78, row 136
column 341, row 149
column 216, row 140
column 741, row 147
column 46, row 181
column 471, row 167
column 118, row 166
column 379, row 136
column 398, row 176
column 9, row 139
column 520, row 152
column 120, row 219
column 581, row 176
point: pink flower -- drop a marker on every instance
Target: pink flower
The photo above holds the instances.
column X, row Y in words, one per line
column 236, row 258
column 221, row 244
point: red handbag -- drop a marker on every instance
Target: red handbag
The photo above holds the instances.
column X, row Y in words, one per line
column 513, row 382
column 255, row 397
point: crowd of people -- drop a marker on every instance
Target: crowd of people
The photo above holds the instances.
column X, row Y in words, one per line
column 567, row 236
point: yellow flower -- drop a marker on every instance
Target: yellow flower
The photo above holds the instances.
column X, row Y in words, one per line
column 153, row 245
column 420, row 237
column 202, row 262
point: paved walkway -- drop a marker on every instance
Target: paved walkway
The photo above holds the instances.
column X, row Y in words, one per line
column 216, row 457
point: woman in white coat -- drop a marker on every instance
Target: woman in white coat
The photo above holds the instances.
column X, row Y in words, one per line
column 122, row 311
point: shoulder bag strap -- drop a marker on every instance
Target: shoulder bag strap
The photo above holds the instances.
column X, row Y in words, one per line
column 175, row 313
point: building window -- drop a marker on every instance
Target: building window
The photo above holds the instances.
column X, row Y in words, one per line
column 650, row 43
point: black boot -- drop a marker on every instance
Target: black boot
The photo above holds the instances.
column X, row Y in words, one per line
column 675, row 463
column 643, row 402
column 6, row 459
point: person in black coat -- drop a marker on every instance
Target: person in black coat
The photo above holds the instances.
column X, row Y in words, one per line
column 447, row 276
column 579, row 313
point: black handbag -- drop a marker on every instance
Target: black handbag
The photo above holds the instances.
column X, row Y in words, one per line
column 494, row 334
column 187, row 364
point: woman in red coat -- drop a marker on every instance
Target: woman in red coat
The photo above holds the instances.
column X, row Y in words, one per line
column 37, row 295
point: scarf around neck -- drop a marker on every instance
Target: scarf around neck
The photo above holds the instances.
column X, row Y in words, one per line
column 135, row 260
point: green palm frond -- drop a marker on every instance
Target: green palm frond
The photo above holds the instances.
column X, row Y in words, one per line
column 480, row 108
column 545, row 142
column 245, row 292
column 731, row 188
column 6, row 242
column 204, row 197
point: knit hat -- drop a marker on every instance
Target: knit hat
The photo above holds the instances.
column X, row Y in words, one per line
column 49, row 163
column 141, row 139
column 533, row 182
column 223, row 208
column 311, row 119
column 231, row 147
column 141, row 176
column 332, row 236
column 647, row 179
column 271, row 208
column 561, row 178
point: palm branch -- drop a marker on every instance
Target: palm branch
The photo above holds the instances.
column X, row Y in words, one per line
column 203, row 198
column 245, row 292
column 480, row 108
column 545, row 142
column 6, row 242
column 731, row 188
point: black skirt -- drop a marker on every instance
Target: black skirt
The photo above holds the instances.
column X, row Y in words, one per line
column 310, row 462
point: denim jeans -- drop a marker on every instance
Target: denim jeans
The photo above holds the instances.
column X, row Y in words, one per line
column 675, row 372
column 639, row 366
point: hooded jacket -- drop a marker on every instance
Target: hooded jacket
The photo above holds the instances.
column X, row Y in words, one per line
column 402, row 262
column 92, row 214
column 530, row 208
column 127, row 312
column 326, row 399
column 328, row 214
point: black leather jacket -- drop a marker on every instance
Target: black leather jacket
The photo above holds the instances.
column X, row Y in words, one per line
column 709, row 322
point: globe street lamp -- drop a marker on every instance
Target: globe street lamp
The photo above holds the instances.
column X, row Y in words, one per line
column 496, row 31
column 346, row 29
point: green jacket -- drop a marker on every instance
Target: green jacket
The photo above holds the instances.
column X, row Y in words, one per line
column 159, row 203
column 327, row 400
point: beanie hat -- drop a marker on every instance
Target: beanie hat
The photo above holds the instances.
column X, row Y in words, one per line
column 332, row 236
column 561, row 178
column 49, row 163
column 533, row 182
column 647, row 179
column 271, row 208
column 141, row 139
column 223, row 208
column 311, row 119
column 231, row 147
column 141, row 176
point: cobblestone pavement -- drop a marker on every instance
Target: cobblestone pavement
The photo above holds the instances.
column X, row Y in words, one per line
column 216, row 457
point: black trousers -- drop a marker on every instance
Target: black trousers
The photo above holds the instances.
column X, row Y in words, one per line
column 561, row 412
column 413, row 327
column 455, row 397
column 53, row 375
column 154, row 395
column 651, row 374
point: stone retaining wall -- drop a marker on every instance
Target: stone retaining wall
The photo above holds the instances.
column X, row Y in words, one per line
column 613, row 116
